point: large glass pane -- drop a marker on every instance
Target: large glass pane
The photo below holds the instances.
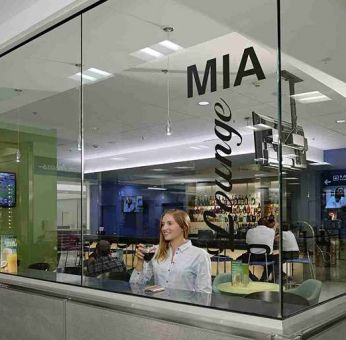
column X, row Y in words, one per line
column 314, row 142
column 180, row 112
column 40, row 161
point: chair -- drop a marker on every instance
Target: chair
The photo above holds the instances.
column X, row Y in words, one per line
column 264, row 263
column 309, row 289
column 39, row 266
column 218, row 258
column 126, row 251
column 302, row 260
column 309, row 245
column 221, row 278
column 274, row 297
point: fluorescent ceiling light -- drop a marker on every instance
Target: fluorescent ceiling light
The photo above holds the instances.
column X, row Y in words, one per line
column 260, row 175
column 251, row 127
column 90, row 75
column 170, row 45
column 203, row 103
column 295, row 183
column 158, row 169
column 85, row 76
column 119, row 158
column 156, row 188
column 184, row 167
column 290, row 178
column 199, row 147
column 310, row 97
column 151, row 52
column 340, row 121
column 99, row 72
column 262, row 126
column 320, row 163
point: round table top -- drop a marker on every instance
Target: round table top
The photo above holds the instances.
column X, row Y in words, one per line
column 252, row 287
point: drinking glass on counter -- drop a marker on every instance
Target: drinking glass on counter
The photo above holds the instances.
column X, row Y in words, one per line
column 12, row 263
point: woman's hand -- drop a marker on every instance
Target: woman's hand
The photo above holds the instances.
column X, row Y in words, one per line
column 140, row 251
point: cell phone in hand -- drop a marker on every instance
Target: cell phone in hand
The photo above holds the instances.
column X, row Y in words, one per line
column 154, row 289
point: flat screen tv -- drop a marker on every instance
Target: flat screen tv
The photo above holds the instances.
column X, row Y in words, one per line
column 132, row 204
column 7, row 189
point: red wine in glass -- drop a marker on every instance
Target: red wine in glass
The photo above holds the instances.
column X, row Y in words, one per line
column 149, row 256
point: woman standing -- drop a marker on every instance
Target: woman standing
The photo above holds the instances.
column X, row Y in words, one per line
column 177, row 263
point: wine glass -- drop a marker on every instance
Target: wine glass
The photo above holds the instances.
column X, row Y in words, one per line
column 149, row 252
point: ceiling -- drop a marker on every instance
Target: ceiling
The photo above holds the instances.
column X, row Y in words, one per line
column 125, row 115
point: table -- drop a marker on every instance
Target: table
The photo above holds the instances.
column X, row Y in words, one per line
column 252, row 287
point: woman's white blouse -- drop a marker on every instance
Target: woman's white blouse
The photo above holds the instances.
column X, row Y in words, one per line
column 189, row 269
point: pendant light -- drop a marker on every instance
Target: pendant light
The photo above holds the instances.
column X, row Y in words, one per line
column 168, row 30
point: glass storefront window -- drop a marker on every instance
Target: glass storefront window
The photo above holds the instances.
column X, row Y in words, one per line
column 313, row 96
column 154, row 129
column 40, row 165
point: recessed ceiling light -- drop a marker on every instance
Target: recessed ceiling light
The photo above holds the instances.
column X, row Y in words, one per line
column 170, row 45
column 119, row 158
column 151, row 52
column 91, row 74
column 199, row 147
column 320, row 163
column 184, row 167
column 340, row 121
column 262, row 126
column 86, row 77
column 203, row 103
column 99, row 72
column 310, row 97
column 158, row 169
column 156, row 188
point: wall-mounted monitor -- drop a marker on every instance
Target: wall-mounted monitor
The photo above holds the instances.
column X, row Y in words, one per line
column 7, row 189
column 132, row 204
column 294, row 144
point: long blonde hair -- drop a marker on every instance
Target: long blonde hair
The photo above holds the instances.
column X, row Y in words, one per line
column 183, row 220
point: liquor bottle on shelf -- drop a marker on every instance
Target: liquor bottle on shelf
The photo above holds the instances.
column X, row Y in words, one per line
column 241, row 201
column 253, row 200
column 246, row 202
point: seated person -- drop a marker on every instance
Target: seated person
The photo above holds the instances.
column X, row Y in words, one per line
column 290, row 249
column 177, row 263
column 102, row 261
column 262, row 234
